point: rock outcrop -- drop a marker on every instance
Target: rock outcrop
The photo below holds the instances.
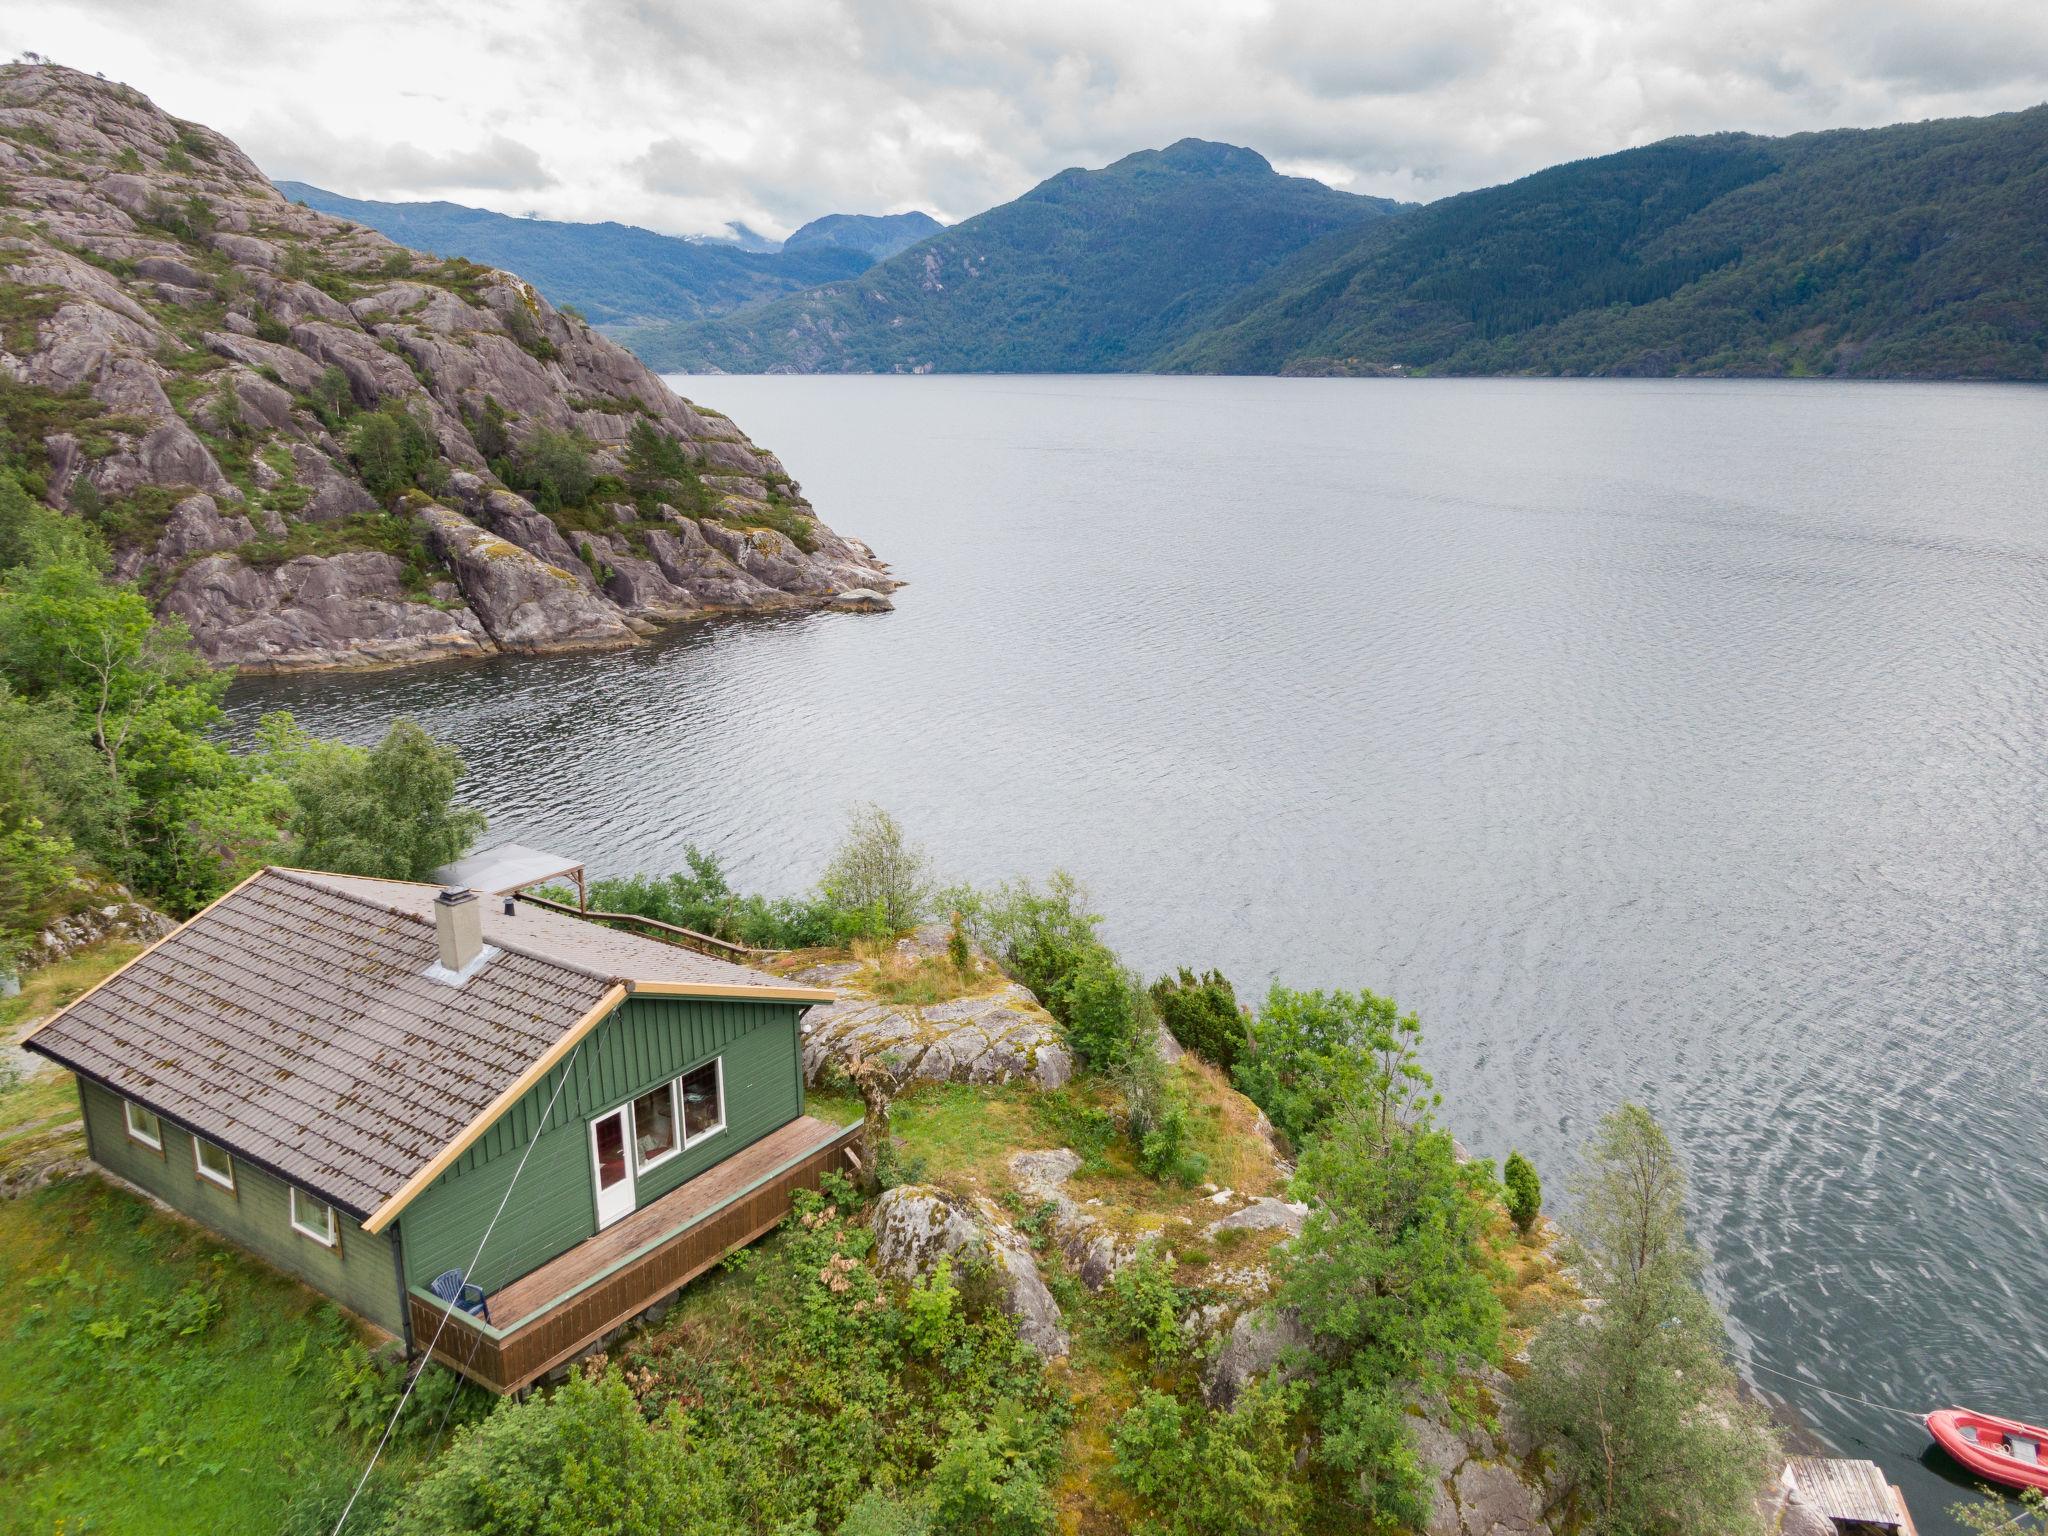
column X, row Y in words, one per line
column 998, row 1036
column 101, row 912
column 917, row 1225
column 195, row 363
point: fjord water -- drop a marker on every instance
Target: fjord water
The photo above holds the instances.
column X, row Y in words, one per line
column 1685, row 741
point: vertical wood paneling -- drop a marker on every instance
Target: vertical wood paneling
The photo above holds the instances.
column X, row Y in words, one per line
column 647, row 1041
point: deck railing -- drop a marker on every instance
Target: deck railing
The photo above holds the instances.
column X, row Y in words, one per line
column 686, row 938
column 516, row 1352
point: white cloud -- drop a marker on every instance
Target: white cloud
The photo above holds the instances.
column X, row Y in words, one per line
column 686, row 115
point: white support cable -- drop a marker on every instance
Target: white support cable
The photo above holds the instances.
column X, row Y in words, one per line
column 448, row 1308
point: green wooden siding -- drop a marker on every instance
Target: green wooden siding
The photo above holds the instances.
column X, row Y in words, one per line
column 646, row 1042
column 362, row 1274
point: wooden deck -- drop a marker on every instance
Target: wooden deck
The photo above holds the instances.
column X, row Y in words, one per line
column 555, row 1313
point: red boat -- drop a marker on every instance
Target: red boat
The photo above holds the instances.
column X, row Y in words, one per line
column 1997, row 1450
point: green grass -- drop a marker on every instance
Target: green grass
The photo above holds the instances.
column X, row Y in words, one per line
column 153, row 1378
column 39, row 1108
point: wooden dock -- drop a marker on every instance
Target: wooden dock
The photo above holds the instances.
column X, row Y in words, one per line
column 1852, row 1494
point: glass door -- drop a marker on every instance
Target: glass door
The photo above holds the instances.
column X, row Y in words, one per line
column 612, row 1168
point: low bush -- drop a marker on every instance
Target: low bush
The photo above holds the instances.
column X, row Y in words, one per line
column 1158, row 1117
column 1202, row 1013
column 1200, row 1473
column 1104, row 1012
column 1144, row 1305
column 1524, row 1192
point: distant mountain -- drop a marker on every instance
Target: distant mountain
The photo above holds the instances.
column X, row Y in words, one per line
column 1913, row 251
column 614, row 273
column 879, row 235
column 1090, row 271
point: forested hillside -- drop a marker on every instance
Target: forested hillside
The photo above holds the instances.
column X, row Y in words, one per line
column 613, row 273
column 1916, row 251
column 1090, row 271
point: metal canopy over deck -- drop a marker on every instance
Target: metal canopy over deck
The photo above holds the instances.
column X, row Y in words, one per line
column 510, row 867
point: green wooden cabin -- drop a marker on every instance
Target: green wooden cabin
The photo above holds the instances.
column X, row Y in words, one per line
column 376, row 1085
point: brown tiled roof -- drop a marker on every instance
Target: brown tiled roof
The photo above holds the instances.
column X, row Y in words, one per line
column 293, row 1023
column 542, row 932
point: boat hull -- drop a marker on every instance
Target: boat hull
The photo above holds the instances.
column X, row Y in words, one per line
column 1976, row 1440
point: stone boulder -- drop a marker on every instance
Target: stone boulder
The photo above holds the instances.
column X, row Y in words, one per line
column 1264, row 1214
column 916, row 1225
column 999, row 1037
column 1260, row 1341
column 525, row 603
column 113, row 914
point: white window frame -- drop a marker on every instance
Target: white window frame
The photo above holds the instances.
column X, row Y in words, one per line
column 682, row 1107
column 224, row 1180
column 156, row 1142
column 326, row 1239
column 675, row 1112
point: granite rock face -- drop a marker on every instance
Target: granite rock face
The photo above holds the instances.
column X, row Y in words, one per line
column 916, row 1225
column 208, row 350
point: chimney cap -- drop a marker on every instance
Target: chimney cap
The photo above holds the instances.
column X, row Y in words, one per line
column 452, row 894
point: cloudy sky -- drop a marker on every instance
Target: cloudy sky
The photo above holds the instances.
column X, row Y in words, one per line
column 684, row 114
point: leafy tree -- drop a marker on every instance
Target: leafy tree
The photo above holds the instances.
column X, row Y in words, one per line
column 178, row 816
column 1038, row 936
column 986, row 1479
column 1635, row 1392
column 1158, row 1117
column 1309, row 1055
column 394, row 451
column 1104, row 1012
column 1202, row 1013
column 1391, row 1275
column 1524, row 1191
column 388, row 811
column 577, row 1460
column 554, row 469
column 1198, row 1473
column 33, row 535
column 333, row 400
column 655, row 464
column 877, row 868
column 490, row 428
column 1998, row 1514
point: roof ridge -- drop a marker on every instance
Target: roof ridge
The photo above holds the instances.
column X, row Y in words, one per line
column 310, row 879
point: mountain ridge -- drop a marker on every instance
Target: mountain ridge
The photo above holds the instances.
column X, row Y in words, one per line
column 1089, row 271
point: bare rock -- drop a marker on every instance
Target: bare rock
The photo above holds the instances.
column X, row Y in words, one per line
column 1259, row 1342
column 525, row 603
column 1493, row 1501
column 999, row 1037
column 113, row 915
column 915, row 1225
column 1264, row 1214
column 196, row 526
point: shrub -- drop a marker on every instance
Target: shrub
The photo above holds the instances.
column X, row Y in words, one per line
column 580, row 1459
column 877, row 876
column 393, row 451
column 332, row 399
column 1156, row 1107
column 554, row 469
column 1039, row 937
column 1202, row 1013
column 1308, row 1055
column 1105, row 1014
column 986, row 1479
column 1144, row 1305
column 1211, row 1474
column 1524, row 1191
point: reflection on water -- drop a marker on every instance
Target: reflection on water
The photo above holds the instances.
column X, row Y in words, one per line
column 1682, row 741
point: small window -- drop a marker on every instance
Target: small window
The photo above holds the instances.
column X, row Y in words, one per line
column 315, row 1218
column 703, row 1102
column 654, row 1126
column 143, row 1125
column 213, row 1163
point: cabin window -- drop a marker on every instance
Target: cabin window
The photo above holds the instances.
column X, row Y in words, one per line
column 703, row 1101
column 143, row 1125
column 213, row 1163
column 314, row 1218
column 655, row 1138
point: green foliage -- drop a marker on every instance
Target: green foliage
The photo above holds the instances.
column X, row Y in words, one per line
column 387, row 811
column 1999, row 1514
column 1089, row 271
column 1202, row 1013
column 32, row 534
column 1104, row 1012
column 1635, row 1393
column 1308, row 1055
column 1200, row 1473
column 823, row 1395
column 700, row 897
column 1157, row 1116
column 523, row 321
column 1895, row 251
column 658, row 470
column 332, row 401
column 579, row 1459
column 1144, row 1305
column 394, row 451
column 490, row 429
column 552, row 468
column 365, row 1387
column 1038, row 936
column 876, row 869
column 1524, row 1191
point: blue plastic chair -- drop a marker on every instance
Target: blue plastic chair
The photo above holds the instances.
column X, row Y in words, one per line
column 449, row 1287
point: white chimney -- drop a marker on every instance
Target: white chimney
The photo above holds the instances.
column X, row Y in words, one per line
column 459, row 927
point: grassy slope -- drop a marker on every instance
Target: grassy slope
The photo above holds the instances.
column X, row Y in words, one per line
column 1919, row 250
column 1089, row 271
column 39, row 1121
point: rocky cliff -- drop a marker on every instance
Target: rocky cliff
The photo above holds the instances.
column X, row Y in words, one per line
column 309, row 442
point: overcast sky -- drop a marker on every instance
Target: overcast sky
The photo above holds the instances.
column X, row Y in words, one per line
column 682, row 116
